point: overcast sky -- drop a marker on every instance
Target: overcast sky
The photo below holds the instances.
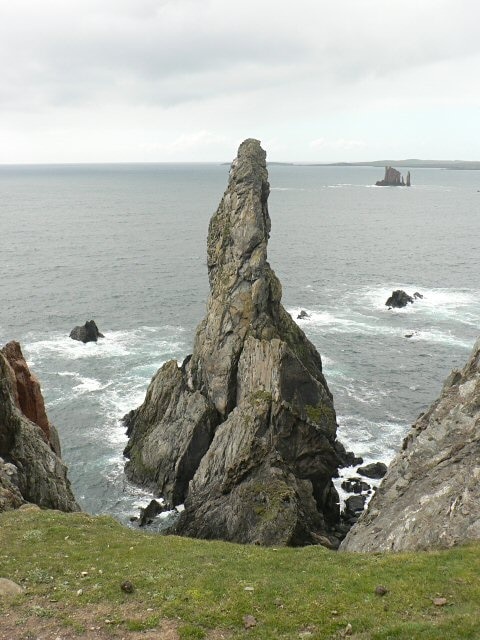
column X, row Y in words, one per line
column 180, row 80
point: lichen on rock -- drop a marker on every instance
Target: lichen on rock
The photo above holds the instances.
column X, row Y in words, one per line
column 430, row 496
column 244, row 432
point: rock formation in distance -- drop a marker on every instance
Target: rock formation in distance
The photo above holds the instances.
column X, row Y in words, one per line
column 393, row 178
column 430, row 496
column 244, row 432
column 30, row 466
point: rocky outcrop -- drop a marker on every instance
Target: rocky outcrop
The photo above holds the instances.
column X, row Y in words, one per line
column 393, row 178
column 398, row 299
column 87, row 333
column 430, row 496
column 28, row 396
column 244, row 432
column 30, row 470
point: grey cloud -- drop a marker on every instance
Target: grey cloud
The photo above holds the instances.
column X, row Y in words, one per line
column 181, row 50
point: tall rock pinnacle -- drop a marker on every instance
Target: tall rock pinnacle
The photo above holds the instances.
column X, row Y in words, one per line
column 244, row 432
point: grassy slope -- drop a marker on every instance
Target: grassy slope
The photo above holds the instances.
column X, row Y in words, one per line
column 297, row 593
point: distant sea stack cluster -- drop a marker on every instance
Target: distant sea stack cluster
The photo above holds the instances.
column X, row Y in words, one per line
column 393, row 178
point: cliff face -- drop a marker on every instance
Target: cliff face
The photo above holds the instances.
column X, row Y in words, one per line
column 430, row 496
column 30, row 469
column 244, row 432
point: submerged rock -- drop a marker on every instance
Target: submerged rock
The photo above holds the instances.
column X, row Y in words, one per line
column 30, row 470
column 430, row 496
column 244, row 432
column 302, row 315
column 398, row 299
column 87, row 333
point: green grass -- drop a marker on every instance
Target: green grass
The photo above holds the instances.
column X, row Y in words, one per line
column 293, row 593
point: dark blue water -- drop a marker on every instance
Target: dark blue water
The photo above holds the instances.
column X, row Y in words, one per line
column 125, row 245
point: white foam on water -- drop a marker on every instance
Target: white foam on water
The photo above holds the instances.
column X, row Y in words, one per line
column 438, row 336
column 87, row 385
column 373, row 441
column 436, row 300
column 286, row 189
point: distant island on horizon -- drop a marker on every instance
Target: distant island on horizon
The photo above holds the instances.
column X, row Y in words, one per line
column 410, row 163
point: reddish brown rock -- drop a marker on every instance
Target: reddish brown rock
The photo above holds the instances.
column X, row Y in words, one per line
column 29, row 397
column 31, row 469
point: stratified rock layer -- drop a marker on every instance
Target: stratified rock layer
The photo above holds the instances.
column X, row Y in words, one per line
column 30, row 470
column 244, row 431
column 430, row 496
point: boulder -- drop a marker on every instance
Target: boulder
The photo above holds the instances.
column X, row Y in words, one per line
column 355, row 504
column 302, row 315
column 430, row 496
column 373, row 470
column 9, row 588
column 355, row 485
column 244, row 432
column 153, row 509
column 398, row 299
column 418, row 296
column 87, row 333
column 30, row 470
column 346, row 458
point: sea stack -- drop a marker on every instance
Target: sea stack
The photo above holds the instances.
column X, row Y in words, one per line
column 430, row 497
column 244, row 431
column 393, row 178
column 30, row 466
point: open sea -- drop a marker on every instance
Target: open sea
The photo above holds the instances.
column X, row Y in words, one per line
column 126, row 246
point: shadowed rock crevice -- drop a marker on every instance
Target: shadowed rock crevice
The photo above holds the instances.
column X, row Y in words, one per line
column 245, row 430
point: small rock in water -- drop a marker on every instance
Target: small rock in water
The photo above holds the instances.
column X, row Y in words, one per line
column 355, row 485
column 149, row 512
column 127, row 587
column 87, row 333
column 249, row 621
column 303, row 314
column 398, row 299
column 374, row 470
column 380, row 590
